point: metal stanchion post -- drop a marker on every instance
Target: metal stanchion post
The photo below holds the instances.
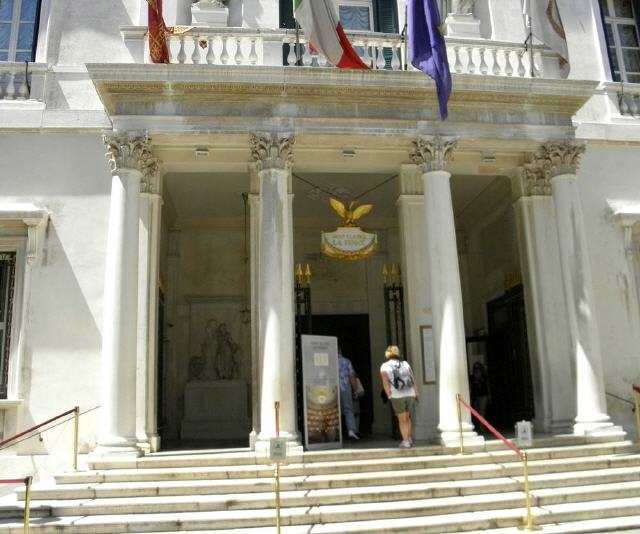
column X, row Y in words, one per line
column 460, row 423
column 528, row 521
column 27, row 503
column 76, row 429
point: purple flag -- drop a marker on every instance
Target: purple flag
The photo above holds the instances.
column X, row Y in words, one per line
column 427, row 50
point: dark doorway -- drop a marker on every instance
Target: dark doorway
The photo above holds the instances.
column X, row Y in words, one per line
column 352, row 332
column 508, row 362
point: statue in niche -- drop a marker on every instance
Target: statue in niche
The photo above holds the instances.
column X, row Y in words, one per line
column 219, row 352
column 462, row 7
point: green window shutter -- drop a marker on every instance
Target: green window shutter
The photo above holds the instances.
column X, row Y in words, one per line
column 386, row 16
column 286, row 14
column 386, row 21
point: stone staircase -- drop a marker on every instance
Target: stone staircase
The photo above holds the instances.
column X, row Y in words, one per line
column 578, row 486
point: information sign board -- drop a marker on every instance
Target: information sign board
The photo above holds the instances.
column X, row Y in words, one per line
column 278, row 450
column 321, row 392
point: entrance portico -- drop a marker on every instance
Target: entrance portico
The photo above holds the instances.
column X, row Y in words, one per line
column 329, row 126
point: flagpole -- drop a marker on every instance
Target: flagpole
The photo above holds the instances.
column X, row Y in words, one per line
column 530, row 46
column 406, row 37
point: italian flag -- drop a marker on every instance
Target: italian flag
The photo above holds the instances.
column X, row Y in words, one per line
column 319, row 22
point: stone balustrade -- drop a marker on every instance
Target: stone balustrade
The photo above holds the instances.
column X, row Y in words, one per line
column 629, row 100
column 246, row 46
column 623, row 98
column 22, row 81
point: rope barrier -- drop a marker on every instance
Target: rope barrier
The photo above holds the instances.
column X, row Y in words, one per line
column 528, row 520
column 45, row 430
column 491, row 428
column 36, row 427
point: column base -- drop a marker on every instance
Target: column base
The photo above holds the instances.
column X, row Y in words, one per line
column 471, row 440
column 117, row 449
column 253, row 439
column 149, row 443
column 295, row 449
column 599, row 430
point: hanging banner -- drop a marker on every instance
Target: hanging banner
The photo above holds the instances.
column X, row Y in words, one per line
column 321, row 392
column 349, row 243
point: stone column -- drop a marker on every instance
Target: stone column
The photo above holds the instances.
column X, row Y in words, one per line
column 127, row 156
column 275, row 300
column 149, row 258
column 434, row 155
column 547, row 327
column 560, row 162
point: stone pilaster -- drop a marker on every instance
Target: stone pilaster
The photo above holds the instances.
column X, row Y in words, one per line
column 546, row 321
column 433, row 155
column 273, row 156
column 415, row 275
column 127, row 155
column 148, row 273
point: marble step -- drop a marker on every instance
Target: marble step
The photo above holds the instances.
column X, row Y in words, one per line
column 328, row 520
column 255, row 485
column 475, row 466
column 548, row 448
column 620, row 525
column 348, row 504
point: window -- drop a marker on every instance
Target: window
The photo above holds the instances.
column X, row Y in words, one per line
column 356, row 15
column 7, row 287
column 621, row 31
column 18, row 29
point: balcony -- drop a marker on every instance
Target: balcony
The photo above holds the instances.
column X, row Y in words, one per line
column 263, row 47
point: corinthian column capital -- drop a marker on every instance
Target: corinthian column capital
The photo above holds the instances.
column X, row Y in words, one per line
column 151, row 181
column 560, row 158
column 433, row 153
column 535, row 179
column 127, row 151
column 271, row 151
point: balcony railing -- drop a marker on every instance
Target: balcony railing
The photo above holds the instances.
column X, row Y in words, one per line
column 623, row 98
column 246, row 46
column 22, row 81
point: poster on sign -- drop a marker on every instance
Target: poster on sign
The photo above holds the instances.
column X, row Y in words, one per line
column 321, row 392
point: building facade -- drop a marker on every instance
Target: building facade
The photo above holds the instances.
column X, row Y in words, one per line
column 156, row 288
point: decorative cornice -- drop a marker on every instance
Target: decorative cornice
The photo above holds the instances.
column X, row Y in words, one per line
column 433, row 153
column 270, row 151
column 127, row 151
column 560, row 158
column 151, row 181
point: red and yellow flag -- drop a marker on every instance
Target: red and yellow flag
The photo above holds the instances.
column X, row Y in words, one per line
column 158, row 50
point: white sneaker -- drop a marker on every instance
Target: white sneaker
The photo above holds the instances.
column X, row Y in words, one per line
column 405, row 445
column 353, row 435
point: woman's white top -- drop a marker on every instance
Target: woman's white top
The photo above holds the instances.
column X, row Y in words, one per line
column 404, row 369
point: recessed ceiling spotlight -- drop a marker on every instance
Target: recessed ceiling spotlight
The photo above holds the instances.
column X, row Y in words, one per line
column 348, row 152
